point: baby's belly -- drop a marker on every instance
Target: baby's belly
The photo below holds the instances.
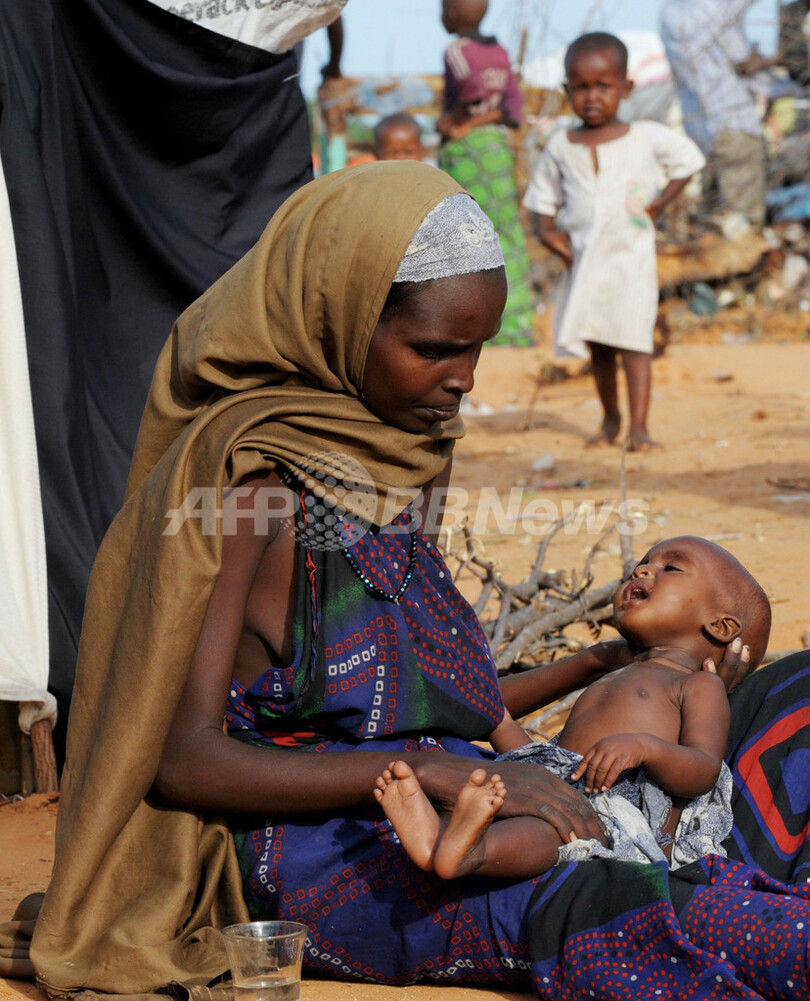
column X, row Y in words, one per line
column 585, row 727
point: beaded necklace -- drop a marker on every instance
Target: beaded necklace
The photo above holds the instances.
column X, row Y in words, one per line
column 380, row 592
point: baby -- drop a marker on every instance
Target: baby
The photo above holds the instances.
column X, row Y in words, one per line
column 682, row 605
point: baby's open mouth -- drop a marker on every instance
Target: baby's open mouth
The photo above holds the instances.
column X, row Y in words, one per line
column 636, row 591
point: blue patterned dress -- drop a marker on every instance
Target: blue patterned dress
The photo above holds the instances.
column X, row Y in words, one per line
column 372, row 674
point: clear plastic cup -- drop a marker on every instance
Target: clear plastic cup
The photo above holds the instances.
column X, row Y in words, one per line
column 265, row 959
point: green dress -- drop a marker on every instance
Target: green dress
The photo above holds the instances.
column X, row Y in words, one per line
column 482, row 162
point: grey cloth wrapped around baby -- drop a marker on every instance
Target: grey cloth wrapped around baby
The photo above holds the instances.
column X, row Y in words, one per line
column 634, row 810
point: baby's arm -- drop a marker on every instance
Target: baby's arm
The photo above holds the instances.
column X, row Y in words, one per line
column 556, row 241
column 688, row 768
column 508, row 735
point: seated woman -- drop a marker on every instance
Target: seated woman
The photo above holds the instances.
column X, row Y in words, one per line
column 252, row 658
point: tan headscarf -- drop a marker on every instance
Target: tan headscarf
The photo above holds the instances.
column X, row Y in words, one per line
column 266, row 365
column 288, row 329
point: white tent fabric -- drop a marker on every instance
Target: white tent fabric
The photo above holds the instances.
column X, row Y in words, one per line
column 276, row 27
column 23, row 575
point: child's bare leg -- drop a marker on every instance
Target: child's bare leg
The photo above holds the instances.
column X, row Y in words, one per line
column 515, row 848
column 410, row 811
column 638, row 371
column 461, row 846
column 520, row 847
column 603, row 363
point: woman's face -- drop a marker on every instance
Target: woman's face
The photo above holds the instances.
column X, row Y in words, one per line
column 421, row 359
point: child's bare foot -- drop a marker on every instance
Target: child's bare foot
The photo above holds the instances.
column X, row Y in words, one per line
column 640, row 441
column 606, row 436
column 410, row 811
column 460, row 849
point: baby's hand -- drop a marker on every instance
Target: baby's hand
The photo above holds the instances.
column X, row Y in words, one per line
column 608, row 758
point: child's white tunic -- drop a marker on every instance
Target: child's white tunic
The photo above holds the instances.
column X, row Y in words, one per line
column 610, row 295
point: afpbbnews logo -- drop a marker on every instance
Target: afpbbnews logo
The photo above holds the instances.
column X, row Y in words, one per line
column 489, row 512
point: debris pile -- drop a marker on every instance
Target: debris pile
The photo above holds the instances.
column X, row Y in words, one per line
column 526, row 622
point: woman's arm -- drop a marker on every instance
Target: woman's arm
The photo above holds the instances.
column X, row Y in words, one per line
column 468, row 122
column 508, row 735
column 531, row 690
column 204, row 768
column 734, row 666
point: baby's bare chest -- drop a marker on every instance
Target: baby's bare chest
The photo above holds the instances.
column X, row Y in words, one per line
column 647, row 701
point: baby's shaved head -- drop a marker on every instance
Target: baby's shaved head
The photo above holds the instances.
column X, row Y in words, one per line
column 751, row 605
column 739, row 593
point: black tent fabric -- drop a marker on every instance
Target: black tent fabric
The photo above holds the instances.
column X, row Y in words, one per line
column 143, row 155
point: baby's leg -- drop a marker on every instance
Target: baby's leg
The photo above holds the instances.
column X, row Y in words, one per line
column 516, row 847
column 461, row 846
column 410, row 811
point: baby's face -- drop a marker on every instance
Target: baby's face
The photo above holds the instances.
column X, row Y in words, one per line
column 674, row 591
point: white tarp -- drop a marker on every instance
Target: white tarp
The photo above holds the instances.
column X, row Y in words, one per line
column 277, row 26
column 23, row 580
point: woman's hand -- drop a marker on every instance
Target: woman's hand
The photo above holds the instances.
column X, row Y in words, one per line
column 734, row 666
column 532, row 791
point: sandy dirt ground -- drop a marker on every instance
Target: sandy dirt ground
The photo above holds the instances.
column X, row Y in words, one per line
column 733, row 416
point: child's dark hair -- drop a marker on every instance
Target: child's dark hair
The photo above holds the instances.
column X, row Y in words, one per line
column 597, row 41
column 391, row 121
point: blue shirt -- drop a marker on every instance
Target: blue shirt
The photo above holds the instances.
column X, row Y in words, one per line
column 703, row 40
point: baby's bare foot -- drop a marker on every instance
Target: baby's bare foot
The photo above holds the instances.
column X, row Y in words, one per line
column 461, row 850
column 410, row 811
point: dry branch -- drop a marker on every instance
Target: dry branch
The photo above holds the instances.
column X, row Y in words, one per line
column 526, row 621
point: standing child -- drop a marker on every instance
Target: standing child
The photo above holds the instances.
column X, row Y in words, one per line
column 600, row 183
column 647, row 740
column 481, row 102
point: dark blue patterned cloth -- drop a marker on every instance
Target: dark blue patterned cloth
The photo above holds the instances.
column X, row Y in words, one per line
column 369, row 674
